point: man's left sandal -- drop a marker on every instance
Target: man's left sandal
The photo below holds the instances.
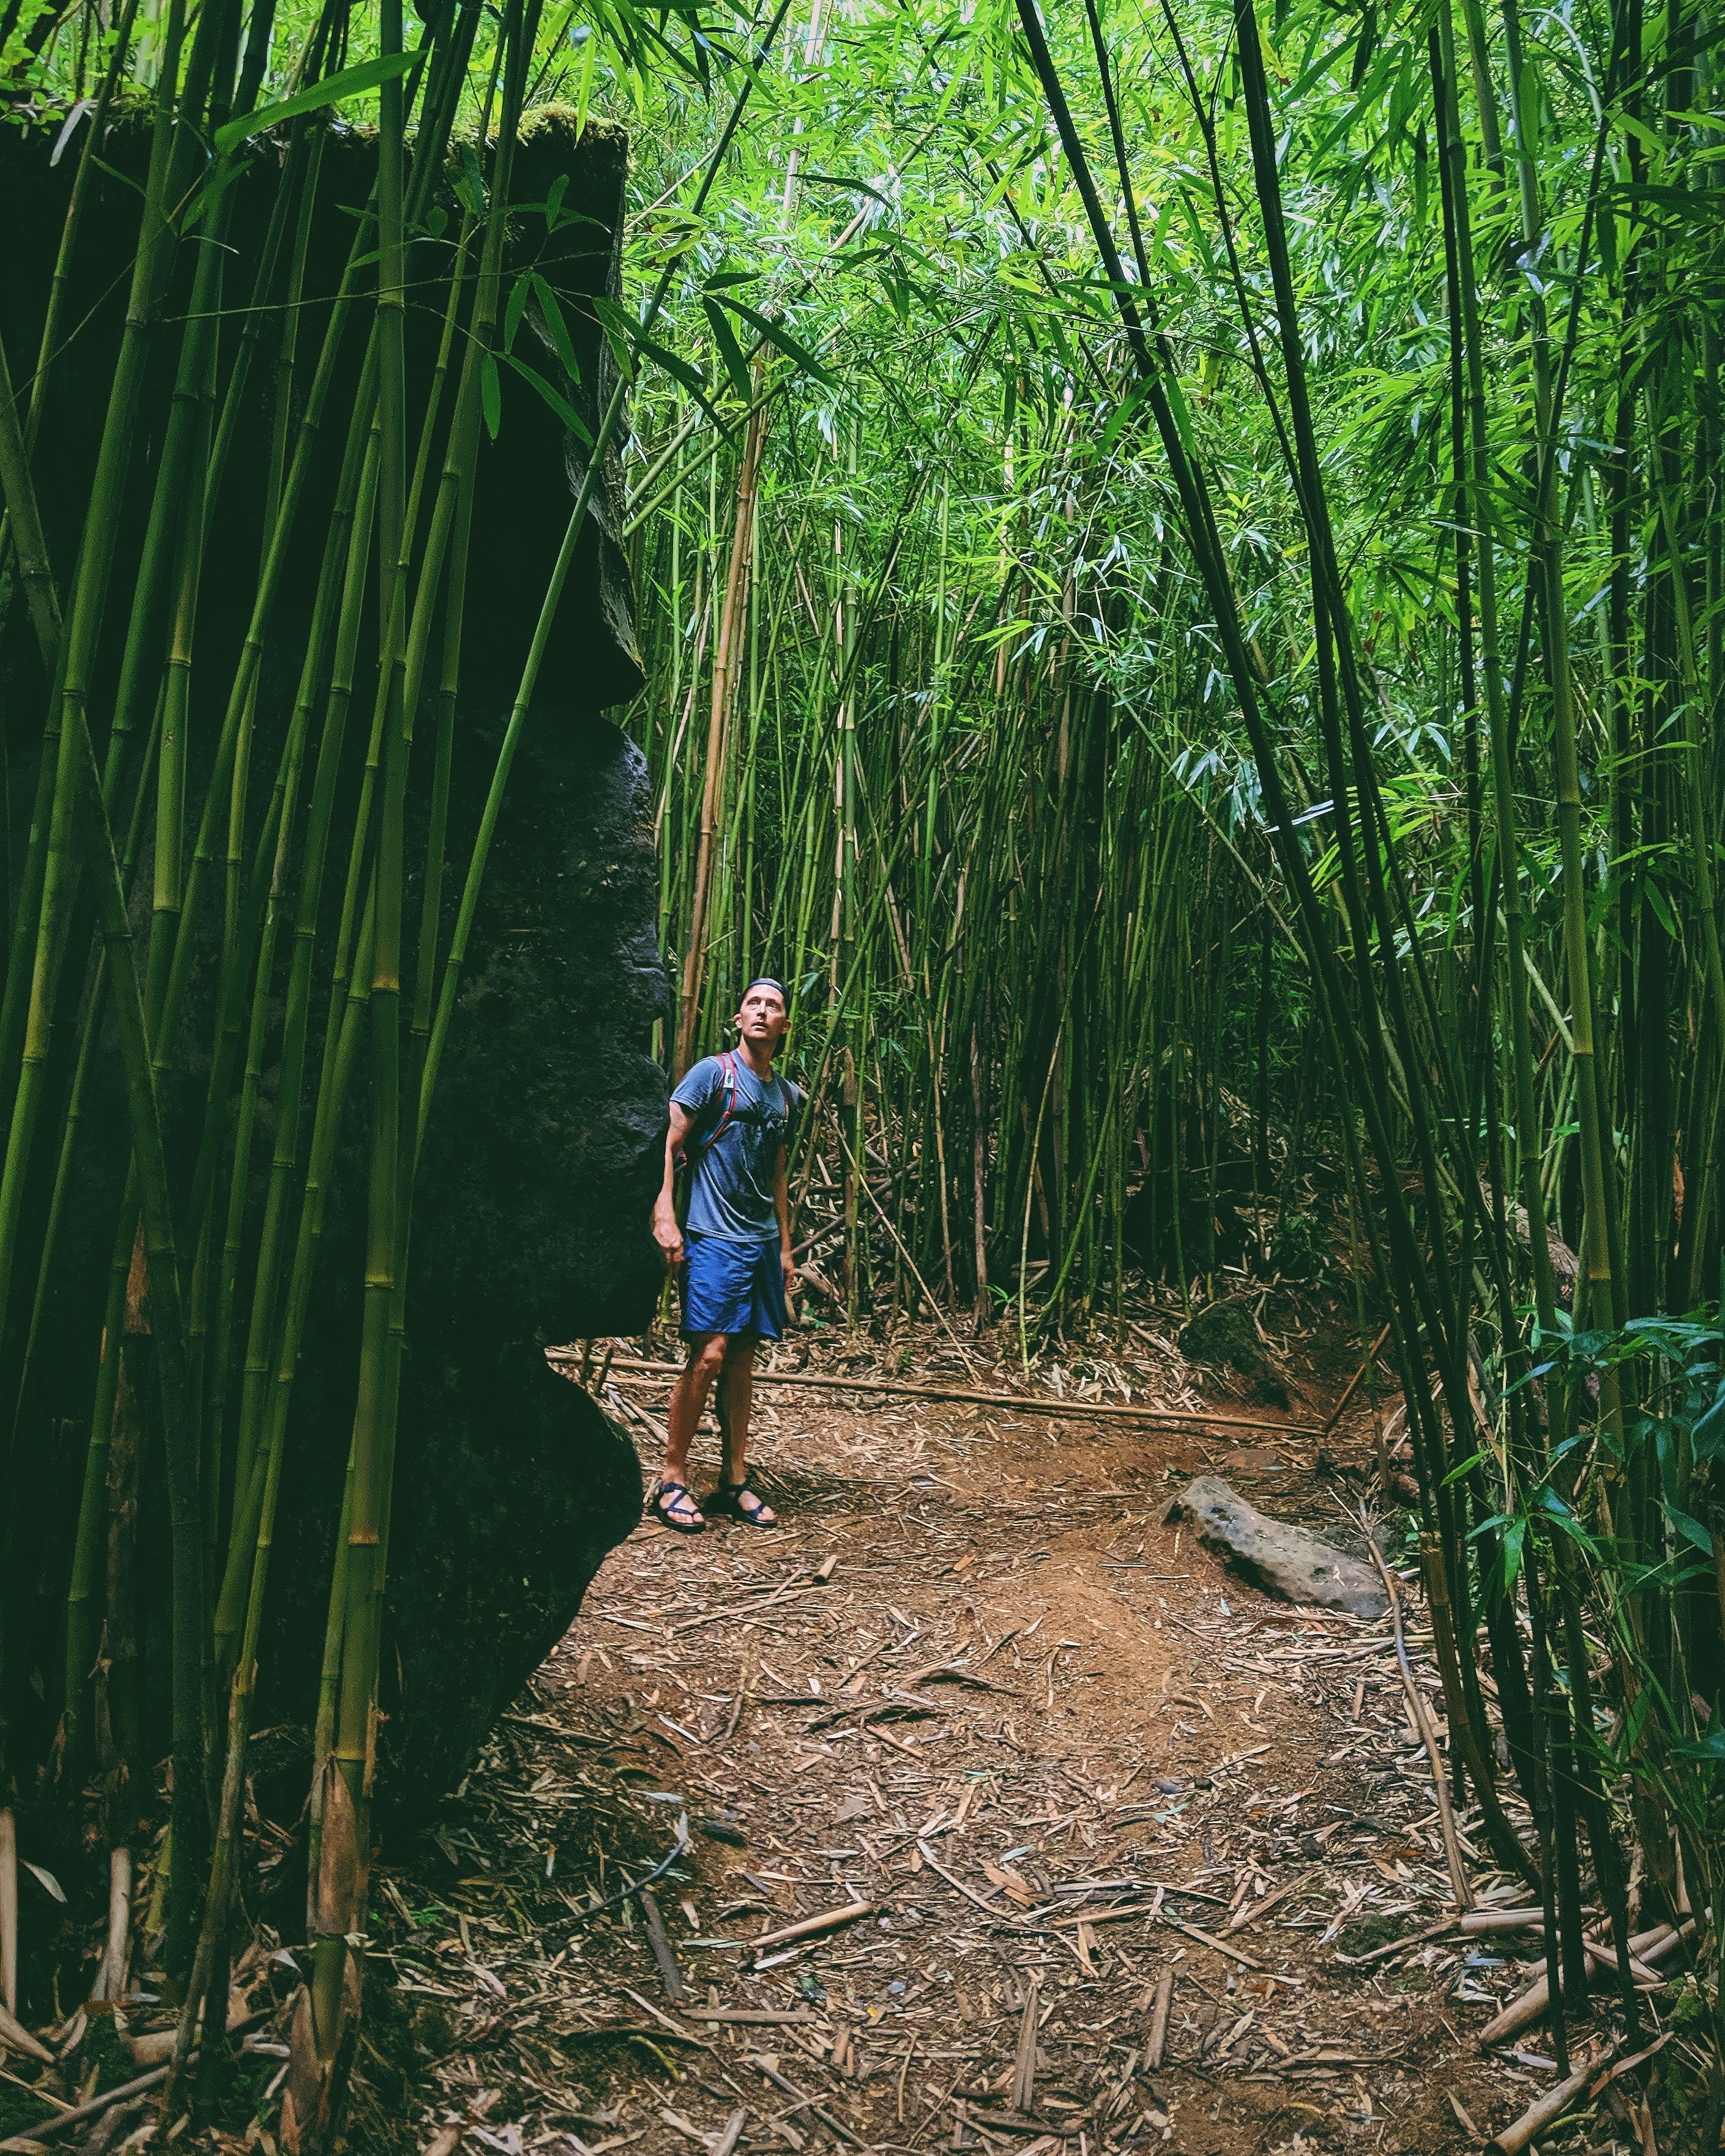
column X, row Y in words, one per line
column 673, row 1505
column 740, row 1503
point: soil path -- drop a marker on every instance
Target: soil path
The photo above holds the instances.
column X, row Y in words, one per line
column 974, row 1684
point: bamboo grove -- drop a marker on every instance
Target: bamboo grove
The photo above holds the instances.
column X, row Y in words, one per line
column 1180, row 559
column 1222, row 631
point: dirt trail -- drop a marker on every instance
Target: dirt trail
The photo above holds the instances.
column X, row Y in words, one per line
column 1052, row 1743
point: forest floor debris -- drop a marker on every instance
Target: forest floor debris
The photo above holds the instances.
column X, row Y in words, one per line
column 996, row 1788
column 979, row 1809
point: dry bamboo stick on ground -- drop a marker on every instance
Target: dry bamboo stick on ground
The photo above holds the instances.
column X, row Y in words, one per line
column 1336, row 1413
column 1523, row 2011
column 1207, row 1939
column 828, row 1921
column 670, row 1975
column 686, row 2127
column 1110, row 1410
column 751, row 2016
column 1538, row 2116
column 1398, row 1946
column 969, row 1893
column 1123, row 1912
column 1024, row 2065
column 1014, row 2124
column 1422, row 1723
column 1252, row 1910
column 670, row 2033
column 1156, row 2043
column 833, row 2124
column 1472, row 1923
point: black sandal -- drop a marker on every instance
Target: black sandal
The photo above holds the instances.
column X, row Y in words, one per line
column 667, row 1512
column 729, row 1497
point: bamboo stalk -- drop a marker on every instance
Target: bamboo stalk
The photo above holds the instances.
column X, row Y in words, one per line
column 1018, row 1403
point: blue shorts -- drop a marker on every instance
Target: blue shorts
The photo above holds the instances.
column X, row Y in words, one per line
column 733, row 1287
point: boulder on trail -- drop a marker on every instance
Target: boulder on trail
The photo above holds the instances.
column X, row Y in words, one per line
column 1283, row 1559
column 1224, row 1334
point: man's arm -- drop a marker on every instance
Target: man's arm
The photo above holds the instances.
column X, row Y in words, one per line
column 667, row 1232
column 782, row 1206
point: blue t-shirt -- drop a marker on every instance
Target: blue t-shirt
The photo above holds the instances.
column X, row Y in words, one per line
column 731, row 1188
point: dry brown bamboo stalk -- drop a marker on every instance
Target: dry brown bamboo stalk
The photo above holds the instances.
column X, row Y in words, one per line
column 1538, row 2116
column 1502, row 1920
column 1156, row 2043
column 1530, row 2005
column 828, row 1921
column 111, row 1969
column 13, row 2032
column 1024, row 2068
column 1420, row 1714
column 8, row 1910
column 733, row 618
column 1112, row 1410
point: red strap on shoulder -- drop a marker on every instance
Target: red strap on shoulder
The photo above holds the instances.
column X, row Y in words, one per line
column 727, row 1065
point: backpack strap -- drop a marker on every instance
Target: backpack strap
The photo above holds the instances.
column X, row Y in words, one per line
column 728, row 1080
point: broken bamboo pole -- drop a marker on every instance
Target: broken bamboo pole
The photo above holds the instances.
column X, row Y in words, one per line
column 1108, row 1410
column 1529, row 2005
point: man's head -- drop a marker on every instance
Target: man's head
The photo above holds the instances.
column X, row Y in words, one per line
column 765, row 1017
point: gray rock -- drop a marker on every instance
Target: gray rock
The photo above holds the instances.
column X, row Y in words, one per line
column 1282, row 1560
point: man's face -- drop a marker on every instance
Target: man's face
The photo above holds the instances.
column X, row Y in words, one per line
column 763, row 1018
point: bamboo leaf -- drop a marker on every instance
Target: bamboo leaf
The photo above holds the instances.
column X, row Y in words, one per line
column 48, row 1881
column 775, row 332
column 491, row 394
column 1123, row 412
column 622, row 333
column 468, row 184
column 351, row 82
column 552, row 313
column 1688, row 1526
column 730, row 351
column 512, row 312
column 559, row 404
column 679, row 371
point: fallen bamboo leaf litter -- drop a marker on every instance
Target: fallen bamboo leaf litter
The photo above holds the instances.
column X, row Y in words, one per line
column 1126, row 1832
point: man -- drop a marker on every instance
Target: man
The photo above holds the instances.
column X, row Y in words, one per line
column 732, row 1116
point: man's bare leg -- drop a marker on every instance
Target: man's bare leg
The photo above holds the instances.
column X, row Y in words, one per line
column 689, row 1396
column 736, row 1397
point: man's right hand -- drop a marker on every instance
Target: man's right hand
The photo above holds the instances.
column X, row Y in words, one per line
column 669, row 1236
